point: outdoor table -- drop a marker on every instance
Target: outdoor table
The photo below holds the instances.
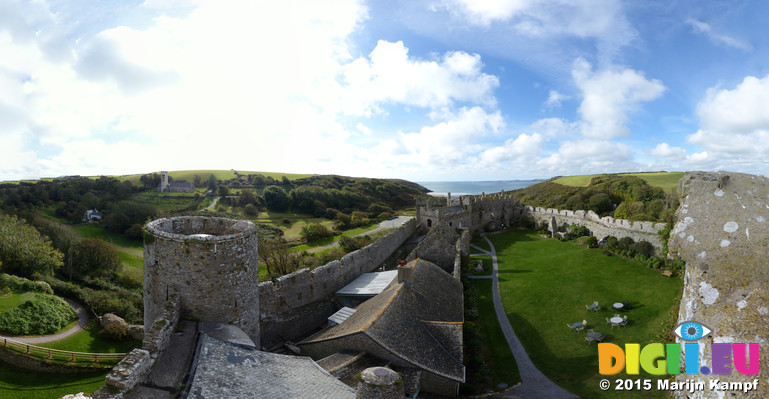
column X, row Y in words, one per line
column 618, row 305
column 577, row 325
column 593, row 336
column 616, row 320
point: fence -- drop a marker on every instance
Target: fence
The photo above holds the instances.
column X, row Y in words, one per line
column 56, row 355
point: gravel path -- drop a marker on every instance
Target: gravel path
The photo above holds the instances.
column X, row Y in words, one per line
column 534, row 384
column 82, row 320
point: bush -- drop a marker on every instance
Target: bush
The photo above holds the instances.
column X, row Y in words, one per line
column 591, row 242
column 611, row 242
column 15, row 283
column 349, row 244
column 315, row 231
column 624, row 243
column 643, row 248
column 251, row 210
column 46, row 314
column 115, row 332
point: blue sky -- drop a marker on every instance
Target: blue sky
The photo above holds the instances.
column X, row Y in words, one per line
column 420, row 90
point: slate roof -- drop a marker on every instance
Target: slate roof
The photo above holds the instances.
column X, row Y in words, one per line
column 368, row 284
column 255, row 374
column 397, row 319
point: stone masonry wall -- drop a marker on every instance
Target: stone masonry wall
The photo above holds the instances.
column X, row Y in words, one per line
column 722, row 232
column 297, row 303
column 600, row 226
column 210, row 263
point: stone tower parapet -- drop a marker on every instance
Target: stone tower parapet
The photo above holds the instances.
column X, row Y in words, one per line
column 210, row 263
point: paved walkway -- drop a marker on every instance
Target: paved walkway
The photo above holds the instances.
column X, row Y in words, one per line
column 82, row 320
column 534, row 384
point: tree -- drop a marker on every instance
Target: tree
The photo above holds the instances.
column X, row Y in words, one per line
column 212, row 183
column 96, row 258
column 276, row 256
column 197, row 180
column 314, row 231
column 224, row 191
column 276, row 199
column 24, row 251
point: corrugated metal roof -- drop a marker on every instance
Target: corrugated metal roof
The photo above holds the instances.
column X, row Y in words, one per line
column 368, row 284
column 341, row 315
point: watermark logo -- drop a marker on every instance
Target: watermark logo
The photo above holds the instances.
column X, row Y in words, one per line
column 661, row 359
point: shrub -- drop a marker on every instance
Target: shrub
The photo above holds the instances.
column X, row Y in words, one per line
column 251, row 210
column 526, row 222
column 624, row 243
column 46, row 314
column 644, row 248
column 591, row 242
column 611, row 242
column 115, row 332
column 314, row 231
column 349, row 244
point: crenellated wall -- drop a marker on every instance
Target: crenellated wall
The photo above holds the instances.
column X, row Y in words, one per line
column 599, row 226
column 297, row 303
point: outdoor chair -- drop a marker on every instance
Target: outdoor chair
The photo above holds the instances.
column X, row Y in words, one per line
column 608, row 321
column 571, row 326
column 624, row 321
column 627, row 305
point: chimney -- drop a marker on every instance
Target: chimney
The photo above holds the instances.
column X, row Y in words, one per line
column 448, row 199
column 406, row 273
column 379, row 383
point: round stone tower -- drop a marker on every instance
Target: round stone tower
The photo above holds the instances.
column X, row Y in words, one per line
column 210, row 263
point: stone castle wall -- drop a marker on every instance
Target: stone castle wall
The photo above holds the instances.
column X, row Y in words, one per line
column 297, row 303
column 599, row 226
column 210, row 263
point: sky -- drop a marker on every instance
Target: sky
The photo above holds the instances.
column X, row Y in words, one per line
column 435, row 90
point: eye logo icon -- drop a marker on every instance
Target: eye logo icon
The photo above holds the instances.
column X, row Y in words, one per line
column 691, row 331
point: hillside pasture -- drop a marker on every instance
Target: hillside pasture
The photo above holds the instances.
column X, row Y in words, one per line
column 223, row 175
column 664, row 180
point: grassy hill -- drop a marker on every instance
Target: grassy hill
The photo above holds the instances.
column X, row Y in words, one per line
column 224, row 175
column 632, row 196
column 663, row 180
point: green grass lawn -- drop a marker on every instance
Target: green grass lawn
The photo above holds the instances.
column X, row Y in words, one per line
column 12, row 300
column 16, row 383
column 89, row 340
column 495, row 351
column 333, row 239
column 665, row 180
column 545, row 284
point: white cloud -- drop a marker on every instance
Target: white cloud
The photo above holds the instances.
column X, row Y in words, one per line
column 734, row 128
column 555, row 98
column 15, row 160
column 451, row 141
column 555, row 127
column 589, row 156
column 389, row 75
column 519, row 151
column 610, row 96
column 665, row 151
column 743, row 109
column 704, row 28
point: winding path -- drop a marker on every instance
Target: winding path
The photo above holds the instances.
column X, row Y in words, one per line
column 534, row 384
column 82, row 320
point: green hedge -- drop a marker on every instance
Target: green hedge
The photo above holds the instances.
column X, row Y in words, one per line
column 15, row 283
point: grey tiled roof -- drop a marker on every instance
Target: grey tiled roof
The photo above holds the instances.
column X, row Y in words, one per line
column 396, row 320
column 226, row 370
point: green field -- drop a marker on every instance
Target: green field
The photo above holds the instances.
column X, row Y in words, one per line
column 189, row 175
column 330, row 240
column 665, row 180
column 89, row 340
column 12, row 300
column 545, row 285
column 16, row 383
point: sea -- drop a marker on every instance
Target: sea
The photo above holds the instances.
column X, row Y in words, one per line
column 441, row 188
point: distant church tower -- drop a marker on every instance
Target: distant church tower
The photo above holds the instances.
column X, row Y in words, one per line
column 163, row 181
